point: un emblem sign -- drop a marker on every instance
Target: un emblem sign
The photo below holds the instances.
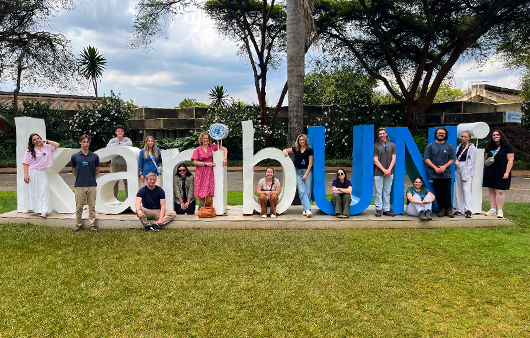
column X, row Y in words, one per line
column 218, row 131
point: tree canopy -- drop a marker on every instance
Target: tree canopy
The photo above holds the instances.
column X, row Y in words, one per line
column 411, row 46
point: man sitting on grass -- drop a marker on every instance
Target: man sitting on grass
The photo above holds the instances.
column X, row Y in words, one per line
column 153, row 199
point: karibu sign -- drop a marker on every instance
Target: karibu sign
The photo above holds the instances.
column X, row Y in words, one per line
column 408, row 162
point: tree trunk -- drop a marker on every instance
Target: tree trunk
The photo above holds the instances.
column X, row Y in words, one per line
column 17, row 89
column 295, row 69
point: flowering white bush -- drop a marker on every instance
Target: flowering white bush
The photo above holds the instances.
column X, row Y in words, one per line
column 99, row 121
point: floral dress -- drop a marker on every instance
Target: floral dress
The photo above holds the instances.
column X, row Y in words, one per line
column 204, row 178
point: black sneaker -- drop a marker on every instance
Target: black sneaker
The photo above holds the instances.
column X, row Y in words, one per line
column 147, row 228
column 468, row 214
column 155, row 227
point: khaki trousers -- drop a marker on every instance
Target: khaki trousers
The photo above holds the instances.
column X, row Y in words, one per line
column 155, row 215
column 82, row 195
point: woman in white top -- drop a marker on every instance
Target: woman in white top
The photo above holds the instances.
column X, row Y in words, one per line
column 466, row 154
column 268, row 190
column 37, row 158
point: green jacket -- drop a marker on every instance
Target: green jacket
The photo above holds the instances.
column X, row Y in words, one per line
column 177, row 188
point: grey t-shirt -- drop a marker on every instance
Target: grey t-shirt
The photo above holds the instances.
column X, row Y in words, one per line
column 439, row 154
column 384, row 152
column 114, row 142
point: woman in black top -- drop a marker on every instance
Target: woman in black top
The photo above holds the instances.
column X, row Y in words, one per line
column 497, row 176
column 303, row 162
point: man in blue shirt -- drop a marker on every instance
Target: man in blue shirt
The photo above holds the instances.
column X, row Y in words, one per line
column 439, row 156
column 85, row 167
column 151, row 204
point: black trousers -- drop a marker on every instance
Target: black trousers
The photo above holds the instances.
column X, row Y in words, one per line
column 190, row 210
column 442, row 191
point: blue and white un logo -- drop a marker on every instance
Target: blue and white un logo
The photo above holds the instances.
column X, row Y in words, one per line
column 218, row 131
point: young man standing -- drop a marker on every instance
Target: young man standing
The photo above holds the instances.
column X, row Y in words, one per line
column 118, row 162
column 153, row 199
column 384, row 161
column 85, row 167
column 439, row 155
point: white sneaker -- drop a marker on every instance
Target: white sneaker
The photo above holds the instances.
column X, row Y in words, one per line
column 263, row 216
column 308, row 213
column 304, row 213
column 273, row 216
column 500, row 214
column 491, row 212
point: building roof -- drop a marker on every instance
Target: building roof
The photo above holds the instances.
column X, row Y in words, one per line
column 490, row 94
column 58, row 101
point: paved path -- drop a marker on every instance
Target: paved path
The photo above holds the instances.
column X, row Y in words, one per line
column 519, row 191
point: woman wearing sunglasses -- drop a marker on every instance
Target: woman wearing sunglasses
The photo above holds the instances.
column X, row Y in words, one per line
column 341, row 198
column 183, row 191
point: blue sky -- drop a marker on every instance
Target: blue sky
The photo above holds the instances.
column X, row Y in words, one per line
column 189, row 59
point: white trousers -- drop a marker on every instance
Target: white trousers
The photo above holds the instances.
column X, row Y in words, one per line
column 413, row 209
column 462, row 201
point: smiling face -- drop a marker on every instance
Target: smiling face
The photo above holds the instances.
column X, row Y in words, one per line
column 382, row 136
column 417, row 184
column 36, row 140
column 496, row 137
column 440, row 135
column 150, row 142
column 269, row 173
column 119, row 133
column 465, row 138
column 341, row 175
column 205, row 140
column 301, row 141
column 182, row 172
column 151, row 182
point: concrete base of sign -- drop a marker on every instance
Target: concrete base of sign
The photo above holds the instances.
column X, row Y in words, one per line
column 290, row 219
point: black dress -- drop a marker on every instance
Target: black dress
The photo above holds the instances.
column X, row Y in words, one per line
column 494, row 173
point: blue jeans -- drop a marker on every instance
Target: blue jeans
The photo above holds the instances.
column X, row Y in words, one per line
column 304, row 187
column 383, row 187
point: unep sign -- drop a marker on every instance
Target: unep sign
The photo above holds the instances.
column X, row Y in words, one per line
column 409, row 162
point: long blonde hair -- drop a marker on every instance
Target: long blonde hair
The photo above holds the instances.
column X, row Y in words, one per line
column 146, row 148
column 297, row 143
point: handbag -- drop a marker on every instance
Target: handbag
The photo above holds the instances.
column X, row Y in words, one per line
column 490, row 160
column 206, row 211
column 158, row 169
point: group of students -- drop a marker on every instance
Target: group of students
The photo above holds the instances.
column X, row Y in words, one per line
column 439, row 156
column 150, row 199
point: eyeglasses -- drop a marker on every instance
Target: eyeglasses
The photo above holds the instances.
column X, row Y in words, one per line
column 182, row 170
column 341, row 174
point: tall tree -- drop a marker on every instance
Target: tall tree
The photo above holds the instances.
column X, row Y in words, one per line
column 91, row 65
column 44, row 57
column 413, row 45
column 259, row 29
column 257, row 26
column 301, row 33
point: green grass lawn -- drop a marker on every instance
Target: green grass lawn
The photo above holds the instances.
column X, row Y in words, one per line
column 470, row 282
column 233, row 283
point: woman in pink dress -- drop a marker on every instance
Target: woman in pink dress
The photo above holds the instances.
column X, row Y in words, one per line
column 37, row 158
column 203, row 159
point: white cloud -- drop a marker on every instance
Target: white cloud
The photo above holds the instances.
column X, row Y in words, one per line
column 492, row 72
column 160, row 78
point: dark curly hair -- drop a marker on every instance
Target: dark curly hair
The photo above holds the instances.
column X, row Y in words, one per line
column 503, row 141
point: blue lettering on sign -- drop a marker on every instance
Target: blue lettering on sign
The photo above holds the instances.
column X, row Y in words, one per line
column 409, row 161
column 362, row 168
